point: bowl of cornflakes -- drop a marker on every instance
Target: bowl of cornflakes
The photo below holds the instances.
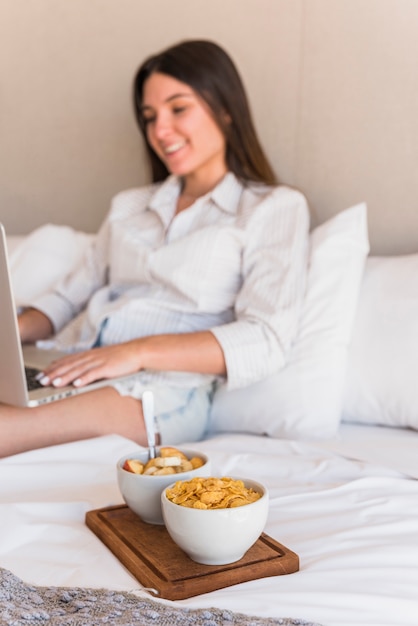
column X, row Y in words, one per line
column 215, row 521
column 141, row 480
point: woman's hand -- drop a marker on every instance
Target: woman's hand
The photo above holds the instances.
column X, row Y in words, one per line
column 86, row 367
column 188, row 352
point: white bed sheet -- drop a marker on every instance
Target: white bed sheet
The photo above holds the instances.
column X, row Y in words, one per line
column 383, row 445
column 354, row 525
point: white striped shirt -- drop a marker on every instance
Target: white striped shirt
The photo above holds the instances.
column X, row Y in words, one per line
column 233, row 263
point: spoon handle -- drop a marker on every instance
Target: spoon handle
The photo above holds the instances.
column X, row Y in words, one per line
column 148, row 410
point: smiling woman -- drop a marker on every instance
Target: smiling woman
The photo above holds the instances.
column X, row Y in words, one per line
column 195, row 278
column 204, row 70
column 184, row 135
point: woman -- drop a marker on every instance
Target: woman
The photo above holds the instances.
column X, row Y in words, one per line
column 195, row 278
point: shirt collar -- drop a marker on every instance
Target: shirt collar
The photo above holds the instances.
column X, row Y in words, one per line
column 226, row 195
column 163, row 201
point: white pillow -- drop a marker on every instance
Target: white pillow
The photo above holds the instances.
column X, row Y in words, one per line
column 381, row 383
column 304, row 399
column 39, row 260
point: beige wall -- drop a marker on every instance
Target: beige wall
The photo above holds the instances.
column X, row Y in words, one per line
column 333, row 85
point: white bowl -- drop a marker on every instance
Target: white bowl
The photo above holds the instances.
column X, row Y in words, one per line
column 142, row 493
column 217, row 536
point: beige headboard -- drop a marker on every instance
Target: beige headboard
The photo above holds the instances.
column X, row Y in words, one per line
column 333, row 86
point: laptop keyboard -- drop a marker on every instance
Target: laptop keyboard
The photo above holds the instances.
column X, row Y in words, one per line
column 31, row 373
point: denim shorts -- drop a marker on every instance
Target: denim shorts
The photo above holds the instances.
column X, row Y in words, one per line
column 181, row 414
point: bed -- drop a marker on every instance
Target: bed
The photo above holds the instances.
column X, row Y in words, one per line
column 340, row 464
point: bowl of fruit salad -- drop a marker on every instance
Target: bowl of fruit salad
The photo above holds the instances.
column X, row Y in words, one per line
column 141, row 480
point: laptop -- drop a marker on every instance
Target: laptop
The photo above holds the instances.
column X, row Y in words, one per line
column 19, row 365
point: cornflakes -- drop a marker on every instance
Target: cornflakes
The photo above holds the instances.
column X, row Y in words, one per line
column 212, row 493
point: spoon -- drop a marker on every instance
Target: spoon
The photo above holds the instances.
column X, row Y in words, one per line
column 148, row 410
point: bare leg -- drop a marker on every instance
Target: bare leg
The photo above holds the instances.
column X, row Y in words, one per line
column 91, row 414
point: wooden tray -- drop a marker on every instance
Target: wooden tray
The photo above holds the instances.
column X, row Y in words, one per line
column 150, row 554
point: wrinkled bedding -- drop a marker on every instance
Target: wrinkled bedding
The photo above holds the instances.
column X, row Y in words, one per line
column 352, row 521
column 348, row 506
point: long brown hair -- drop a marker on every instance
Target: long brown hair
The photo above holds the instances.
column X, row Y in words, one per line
column 207, row 68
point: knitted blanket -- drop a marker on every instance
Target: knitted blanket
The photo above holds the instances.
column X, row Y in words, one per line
column 22, row 604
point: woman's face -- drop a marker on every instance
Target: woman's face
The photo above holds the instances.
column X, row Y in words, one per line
column 182, row 131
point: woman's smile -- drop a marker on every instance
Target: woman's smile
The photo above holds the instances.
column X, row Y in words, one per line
column 168, row 150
